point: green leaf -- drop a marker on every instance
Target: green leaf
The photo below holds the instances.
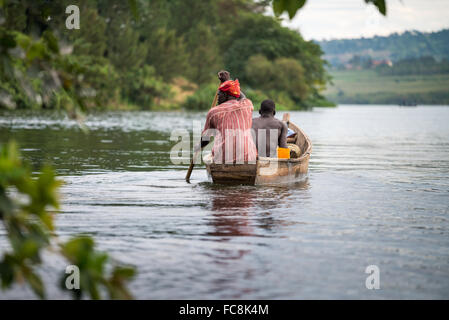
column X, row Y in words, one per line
column 123, row 272
column 28, row 249
column 36, row 284
column 291, row 6
column 23, row 40
column 278, row 7
column 133, row 6
column 380, row 4
column 36, row 51
column 51, row 40
column 6, row 272
column 7, row 40
column 77, row 249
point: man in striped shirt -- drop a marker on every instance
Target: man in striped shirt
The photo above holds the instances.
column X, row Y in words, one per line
column 230, row 123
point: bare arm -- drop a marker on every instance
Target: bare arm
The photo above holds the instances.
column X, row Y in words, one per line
column 206, row 135
column 283, row 136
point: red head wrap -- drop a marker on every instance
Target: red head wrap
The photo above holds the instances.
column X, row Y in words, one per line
column 232, row 87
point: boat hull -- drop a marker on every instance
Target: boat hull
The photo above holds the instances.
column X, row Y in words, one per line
column 265, row 170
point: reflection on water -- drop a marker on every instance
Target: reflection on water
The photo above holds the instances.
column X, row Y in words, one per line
column 230, row 211
column 377, row 193
column 233, row 207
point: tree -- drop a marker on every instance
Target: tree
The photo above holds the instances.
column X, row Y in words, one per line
column 125, row 49
column 204, row 57
column 167, row 53
column 108, row 64
column 260, row 72
column 89, row 41
column 144, row 87
column 265, row 36
column 282, row 75
column 290, row 77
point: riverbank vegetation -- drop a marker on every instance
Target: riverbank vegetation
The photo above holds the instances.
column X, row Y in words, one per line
column 155, row 54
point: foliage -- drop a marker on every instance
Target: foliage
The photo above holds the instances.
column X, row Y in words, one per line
column 142, row 86
column 202, row 98
column 136, row 50
column 132, row 51
column 292, row 6
column 361, row 62
column 124, row 48
column 283, row 74
column 380, row 4
column 257, row 96
column 415, row 66
column 204, row 56
column 265, row 36
column 407, row 66
column 89, row 41
column 29, row 63
column 38, row 67
column 29, row 225
column 164, row 43
column 81, row 252
column 93, row 80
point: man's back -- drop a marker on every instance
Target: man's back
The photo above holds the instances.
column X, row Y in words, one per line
column 262, row 127
column 232, row 119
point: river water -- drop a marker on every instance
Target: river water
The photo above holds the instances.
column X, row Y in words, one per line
column 377, row 194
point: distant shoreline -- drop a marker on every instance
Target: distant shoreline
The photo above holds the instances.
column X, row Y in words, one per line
column 368, row 87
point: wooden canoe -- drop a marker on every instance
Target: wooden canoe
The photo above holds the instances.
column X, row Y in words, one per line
column 265, row 170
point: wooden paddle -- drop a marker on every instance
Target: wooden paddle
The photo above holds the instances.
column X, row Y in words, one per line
column 192, row 164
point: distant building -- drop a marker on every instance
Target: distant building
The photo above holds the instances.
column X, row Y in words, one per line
column 376, row 63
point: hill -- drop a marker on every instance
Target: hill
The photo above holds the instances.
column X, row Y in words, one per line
column 410, row 44
column 407, row 68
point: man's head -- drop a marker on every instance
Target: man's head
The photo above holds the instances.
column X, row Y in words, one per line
column 267, row 108
column 229, row 90
column 224, row 96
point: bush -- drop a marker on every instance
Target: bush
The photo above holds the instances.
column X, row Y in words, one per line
column 94, row 80
column 256, row 96
column 283, row 78
column 201, row 99
column 143, row 87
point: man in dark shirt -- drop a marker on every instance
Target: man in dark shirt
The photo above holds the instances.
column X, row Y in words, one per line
column 269, row 132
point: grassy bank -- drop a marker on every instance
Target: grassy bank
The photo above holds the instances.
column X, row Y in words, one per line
column 367, row 87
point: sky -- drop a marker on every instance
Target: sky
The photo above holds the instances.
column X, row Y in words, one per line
column 338, row 19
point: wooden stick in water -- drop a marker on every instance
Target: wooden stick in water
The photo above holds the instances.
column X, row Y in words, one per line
column 192, row 162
